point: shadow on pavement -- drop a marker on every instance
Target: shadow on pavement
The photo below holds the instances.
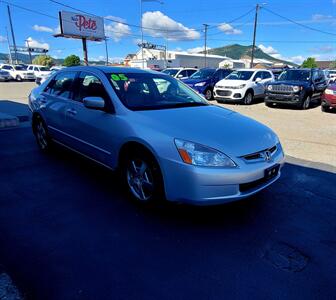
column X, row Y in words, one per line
column 67, row 231
column 19, row 110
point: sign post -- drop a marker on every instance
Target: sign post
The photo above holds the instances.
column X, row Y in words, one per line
column 80, row 26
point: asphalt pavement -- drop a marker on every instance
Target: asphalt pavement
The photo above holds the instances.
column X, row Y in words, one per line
column 68, row 232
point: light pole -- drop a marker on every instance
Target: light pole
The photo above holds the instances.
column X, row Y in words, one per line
column 142, row 39
column 205, row 44
column 258, row 6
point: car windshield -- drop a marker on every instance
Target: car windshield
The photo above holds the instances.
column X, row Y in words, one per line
column 44, row 69
column 146, row 91
column 19, row 68
column 171, row 72
column 295, row 75
column 204, row 73
column 240, row 75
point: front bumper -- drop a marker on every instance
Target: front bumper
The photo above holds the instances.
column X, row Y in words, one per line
column 328, row 101
column 229, row 95
column 280, row 98
column 199, row 89
column 210, row 186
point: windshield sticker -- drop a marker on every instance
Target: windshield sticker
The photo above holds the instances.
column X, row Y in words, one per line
column 118, row 77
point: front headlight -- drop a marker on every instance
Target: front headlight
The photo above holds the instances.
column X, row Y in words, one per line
column 330, row 92
column 200, row 84
column 270, row 88
column 241, row 86
column 296, row 88
column 199, row 155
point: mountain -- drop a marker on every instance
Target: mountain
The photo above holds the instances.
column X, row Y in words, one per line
column 237, row 51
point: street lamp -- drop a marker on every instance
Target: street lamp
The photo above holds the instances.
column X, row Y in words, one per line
column 142, row 40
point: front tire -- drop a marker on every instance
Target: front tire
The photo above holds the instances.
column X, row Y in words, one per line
column 142, row 177
column 18, row 78
column 41, row 134
column 208, row 94
column 248, row 99
column 306, row 102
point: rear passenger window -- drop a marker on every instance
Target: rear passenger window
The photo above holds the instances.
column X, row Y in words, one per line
column 61, row 85
column 266, row 75
column 90, row 86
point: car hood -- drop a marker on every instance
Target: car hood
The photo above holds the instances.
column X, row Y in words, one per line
column 228, row 82
column 212, row 126
column 291, row 83
column 192, row 81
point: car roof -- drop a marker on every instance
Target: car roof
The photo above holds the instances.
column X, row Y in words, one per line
column 106, row 69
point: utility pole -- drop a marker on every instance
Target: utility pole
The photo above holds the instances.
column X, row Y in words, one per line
column 9, row 49
column 205, row 44
column 106, row 50
column 254, row 34
column 11, row 26
column 86, row 62
column 30, row 57
column 142, row 39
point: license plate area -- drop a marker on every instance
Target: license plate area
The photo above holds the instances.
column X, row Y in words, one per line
column 271, row 172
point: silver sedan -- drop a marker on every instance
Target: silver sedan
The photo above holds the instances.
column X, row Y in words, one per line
column 167, row 141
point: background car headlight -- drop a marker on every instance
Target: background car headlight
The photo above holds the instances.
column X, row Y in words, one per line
column 329, row 92
column 270, row 87
column 296, row 88
column 199, row 155
column 200, row 84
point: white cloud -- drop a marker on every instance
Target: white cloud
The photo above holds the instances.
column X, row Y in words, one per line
column 268, row 50
column 323, row 49
column 2, row 39
column 298, row 59
column 320, row 17
column 116, row 31
column 197, row 49
column 228, row 29
column 42, row 28
column 165, row 27
column 34, row 43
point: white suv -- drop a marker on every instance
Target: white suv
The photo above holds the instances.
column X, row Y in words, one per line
column 243, row 85
column 18, row 72
column 39, row 71
column 180, row 73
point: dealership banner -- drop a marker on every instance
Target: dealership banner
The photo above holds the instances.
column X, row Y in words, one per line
column 79, row 25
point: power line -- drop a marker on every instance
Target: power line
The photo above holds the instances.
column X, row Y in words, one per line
column 298, row 23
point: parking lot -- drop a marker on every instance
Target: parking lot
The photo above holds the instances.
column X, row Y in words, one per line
column 67, row 231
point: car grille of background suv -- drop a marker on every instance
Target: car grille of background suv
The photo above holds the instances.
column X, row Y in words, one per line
column 223, row 93
column 260, row 155
column 282, row 88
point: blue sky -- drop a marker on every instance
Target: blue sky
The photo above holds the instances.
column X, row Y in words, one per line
column 183, row 20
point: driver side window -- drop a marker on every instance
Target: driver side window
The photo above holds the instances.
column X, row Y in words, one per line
column 257, row 75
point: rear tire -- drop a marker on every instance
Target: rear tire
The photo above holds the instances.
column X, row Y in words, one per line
column 324, row 108
column 141, row 176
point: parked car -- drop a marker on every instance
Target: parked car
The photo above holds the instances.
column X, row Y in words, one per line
column 5, row 76
column 39, row 71
column 40, row 79
column 328, row 100
column 204, row 80
column 332, row 75
column 180, row 73
column 298, row 87
column 57, row 68
column 243, row 86
column 18, row 72
column 119, row 118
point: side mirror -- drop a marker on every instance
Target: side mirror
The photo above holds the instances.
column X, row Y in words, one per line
column 258, row 79
column 38, row 82
column 97, row 103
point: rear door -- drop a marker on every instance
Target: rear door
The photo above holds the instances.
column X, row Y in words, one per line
column 54, row 101
column 90, row 130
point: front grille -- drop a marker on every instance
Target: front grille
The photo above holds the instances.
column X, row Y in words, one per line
column 224, row 93
column 260, row 154
column 282, row 88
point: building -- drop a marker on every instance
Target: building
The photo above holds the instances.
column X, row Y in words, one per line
column 324, row 64
column 163, row 59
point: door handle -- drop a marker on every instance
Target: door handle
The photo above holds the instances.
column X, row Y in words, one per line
column 71, row 111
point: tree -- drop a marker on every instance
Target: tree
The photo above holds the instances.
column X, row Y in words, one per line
column 310, row 62
column 71, row 60
column 43, row 60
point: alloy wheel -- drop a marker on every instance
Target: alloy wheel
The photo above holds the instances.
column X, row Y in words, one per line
column 140, row 179
column 41, row 136
column 248, row 98
column 208, row 95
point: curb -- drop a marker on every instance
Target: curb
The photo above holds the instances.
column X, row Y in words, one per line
column 8, row 121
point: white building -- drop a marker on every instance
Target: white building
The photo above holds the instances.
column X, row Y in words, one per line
column 153, row 57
